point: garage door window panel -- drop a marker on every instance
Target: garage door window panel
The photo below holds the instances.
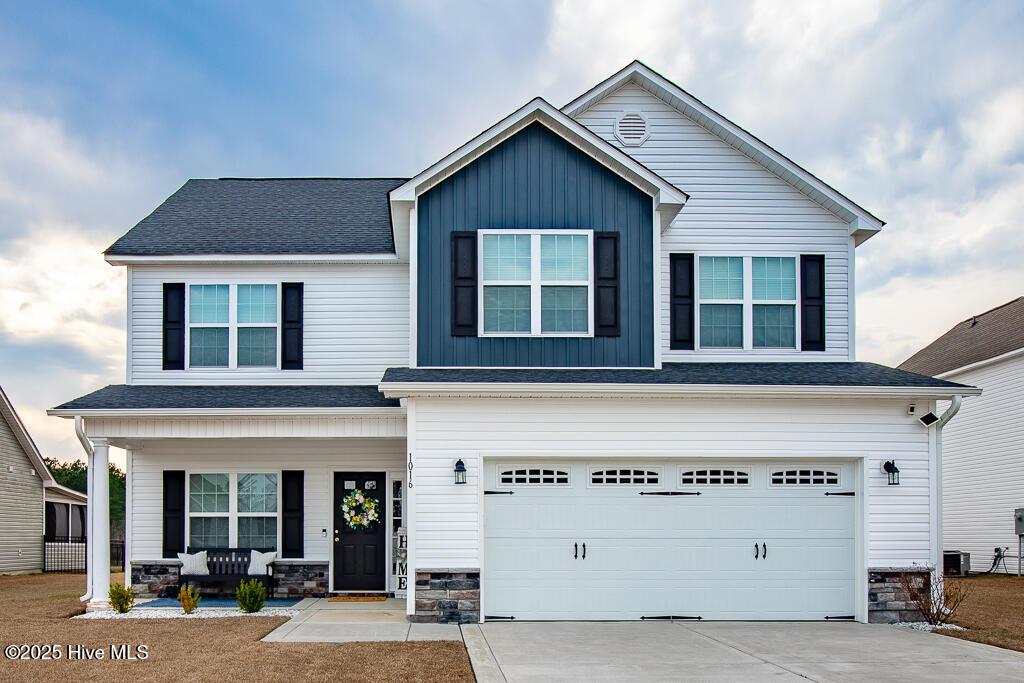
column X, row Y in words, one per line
column 533, row 476
column 625, row 476
column 714, row 476
column 809, row 476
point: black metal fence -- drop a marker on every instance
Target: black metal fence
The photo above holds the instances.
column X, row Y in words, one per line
column 69, row 554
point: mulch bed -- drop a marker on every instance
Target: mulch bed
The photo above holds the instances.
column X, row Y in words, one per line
column 35, row 609
column 993, row 612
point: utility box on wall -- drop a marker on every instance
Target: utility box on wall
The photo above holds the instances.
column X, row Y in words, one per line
column 1018, row 521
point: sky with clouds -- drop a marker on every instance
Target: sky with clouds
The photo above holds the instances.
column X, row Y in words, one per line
column 915, row 110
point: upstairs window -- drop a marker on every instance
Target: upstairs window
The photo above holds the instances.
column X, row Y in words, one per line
column 536, row 283
column 232, row 326
column 747, row 302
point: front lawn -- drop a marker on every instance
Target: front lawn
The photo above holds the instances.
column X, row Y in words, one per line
column 993, row 613
column 35, row 609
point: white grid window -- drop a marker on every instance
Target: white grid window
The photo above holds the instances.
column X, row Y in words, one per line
column 233, row 510
column 233, row 326
column 714, row 477
column 748, row 302
column 805, row 477
column 534, row 475
column 536, row 283
column 624, row 475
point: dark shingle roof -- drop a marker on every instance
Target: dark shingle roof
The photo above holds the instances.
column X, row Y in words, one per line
column 761, row 374
column 151, row 397
column 267, row 216
column 978, row 338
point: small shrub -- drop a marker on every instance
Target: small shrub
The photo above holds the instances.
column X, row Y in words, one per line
column 251, row 595
column 189, row 598
column 122, row 598
column 937, row 602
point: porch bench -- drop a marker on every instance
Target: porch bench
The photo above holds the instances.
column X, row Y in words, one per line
column 228, row 566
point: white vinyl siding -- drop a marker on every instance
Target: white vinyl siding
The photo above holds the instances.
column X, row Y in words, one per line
column 983, row 464
column 447, row 516
column 316, row 457
column 21, row 507
column 736, row 206
column 355, row 322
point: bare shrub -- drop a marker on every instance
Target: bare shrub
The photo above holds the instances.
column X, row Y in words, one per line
column 928, row 599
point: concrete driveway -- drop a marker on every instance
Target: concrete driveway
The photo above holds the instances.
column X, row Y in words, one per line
column 733, row 651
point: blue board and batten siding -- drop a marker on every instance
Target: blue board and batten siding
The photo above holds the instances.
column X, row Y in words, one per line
column 535, row 180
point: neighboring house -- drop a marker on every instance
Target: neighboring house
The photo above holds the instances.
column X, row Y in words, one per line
column 983, row 449
column 626, row 325
column 32, row 503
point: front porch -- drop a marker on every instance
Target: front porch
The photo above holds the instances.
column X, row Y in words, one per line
column 269, row 480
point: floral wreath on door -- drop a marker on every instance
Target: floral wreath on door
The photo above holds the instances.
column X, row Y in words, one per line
column 359, row 510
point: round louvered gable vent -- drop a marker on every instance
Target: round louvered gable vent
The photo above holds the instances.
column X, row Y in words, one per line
column 631, row 129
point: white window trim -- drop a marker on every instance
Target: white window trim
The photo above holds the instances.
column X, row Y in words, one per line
column 232, row 514
column 747, row 303
column 233, row 326
column 535, row 283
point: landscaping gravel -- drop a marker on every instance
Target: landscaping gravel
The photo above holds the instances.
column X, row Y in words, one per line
column 172, row 613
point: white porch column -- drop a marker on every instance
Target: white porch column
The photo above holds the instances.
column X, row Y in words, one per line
column 99, row 538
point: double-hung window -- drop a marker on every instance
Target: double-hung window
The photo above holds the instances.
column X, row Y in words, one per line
column 747, row 302
column 233, row 510
column 233, row 326
column 536, row 283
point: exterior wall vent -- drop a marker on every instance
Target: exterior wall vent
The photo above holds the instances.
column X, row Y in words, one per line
column 631, row 129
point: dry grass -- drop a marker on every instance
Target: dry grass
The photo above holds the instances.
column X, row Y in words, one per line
column 993, row 612
column 35, row 609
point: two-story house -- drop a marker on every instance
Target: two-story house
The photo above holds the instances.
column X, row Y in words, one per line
column 596, row 363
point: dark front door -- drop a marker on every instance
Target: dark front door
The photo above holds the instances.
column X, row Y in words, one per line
column 359, row 553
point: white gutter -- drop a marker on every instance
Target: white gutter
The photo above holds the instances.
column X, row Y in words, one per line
column 227, row 412
column 185, row 259
column 89, row 471
column 981, row 363
column 951, row 411
column 523, row 389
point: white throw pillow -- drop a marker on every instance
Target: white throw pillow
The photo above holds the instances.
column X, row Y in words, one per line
column 258, row 562
column 194, row 565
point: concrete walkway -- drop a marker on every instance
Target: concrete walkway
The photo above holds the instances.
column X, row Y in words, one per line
column 320, row 621
column 733, row 651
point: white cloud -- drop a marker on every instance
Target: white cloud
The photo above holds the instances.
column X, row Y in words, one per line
column 995, row 128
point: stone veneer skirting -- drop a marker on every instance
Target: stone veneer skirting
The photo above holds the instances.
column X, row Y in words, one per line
column 447, row 596
column 888, row 603
column 291, row 580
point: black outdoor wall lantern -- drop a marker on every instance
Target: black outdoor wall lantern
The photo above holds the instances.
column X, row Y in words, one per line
column 460, row 472
column 889, row 467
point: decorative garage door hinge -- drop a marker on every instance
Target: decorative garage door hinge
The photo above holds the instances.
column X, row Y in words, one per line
column 498, row 493
column 670, row 617
column 840, row 493
column 845, row 617
column 491, row 617
column 670, row 493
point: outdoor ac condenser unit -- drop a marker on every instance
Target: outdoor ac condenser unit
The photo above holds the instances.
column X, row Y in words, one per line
column 956, row 563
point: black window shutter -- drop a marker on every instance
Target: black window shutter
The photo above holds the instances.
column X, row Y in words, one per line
column 464, row 318
column 292, row 544
column 812, row 302
column 681, row 301
column 291, row 325
column 174, row 326
column 174, row 512
column 606, row 284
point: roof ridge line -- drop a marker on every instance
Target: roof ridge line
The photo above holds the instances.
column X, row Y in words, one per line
column 991, row 310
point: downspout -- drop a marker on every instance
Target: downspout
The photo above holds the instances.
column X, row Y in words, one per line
column 87, row 445
column 951, row 411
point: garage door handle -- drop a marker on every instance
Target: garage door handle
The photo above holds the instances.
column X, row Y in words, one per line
column 756, row 551
column 764, row 551
column 584, row 551
column 575, row 551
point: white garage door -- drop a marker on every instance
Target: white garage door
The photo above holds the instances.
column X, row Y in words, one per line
column 727, row 540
